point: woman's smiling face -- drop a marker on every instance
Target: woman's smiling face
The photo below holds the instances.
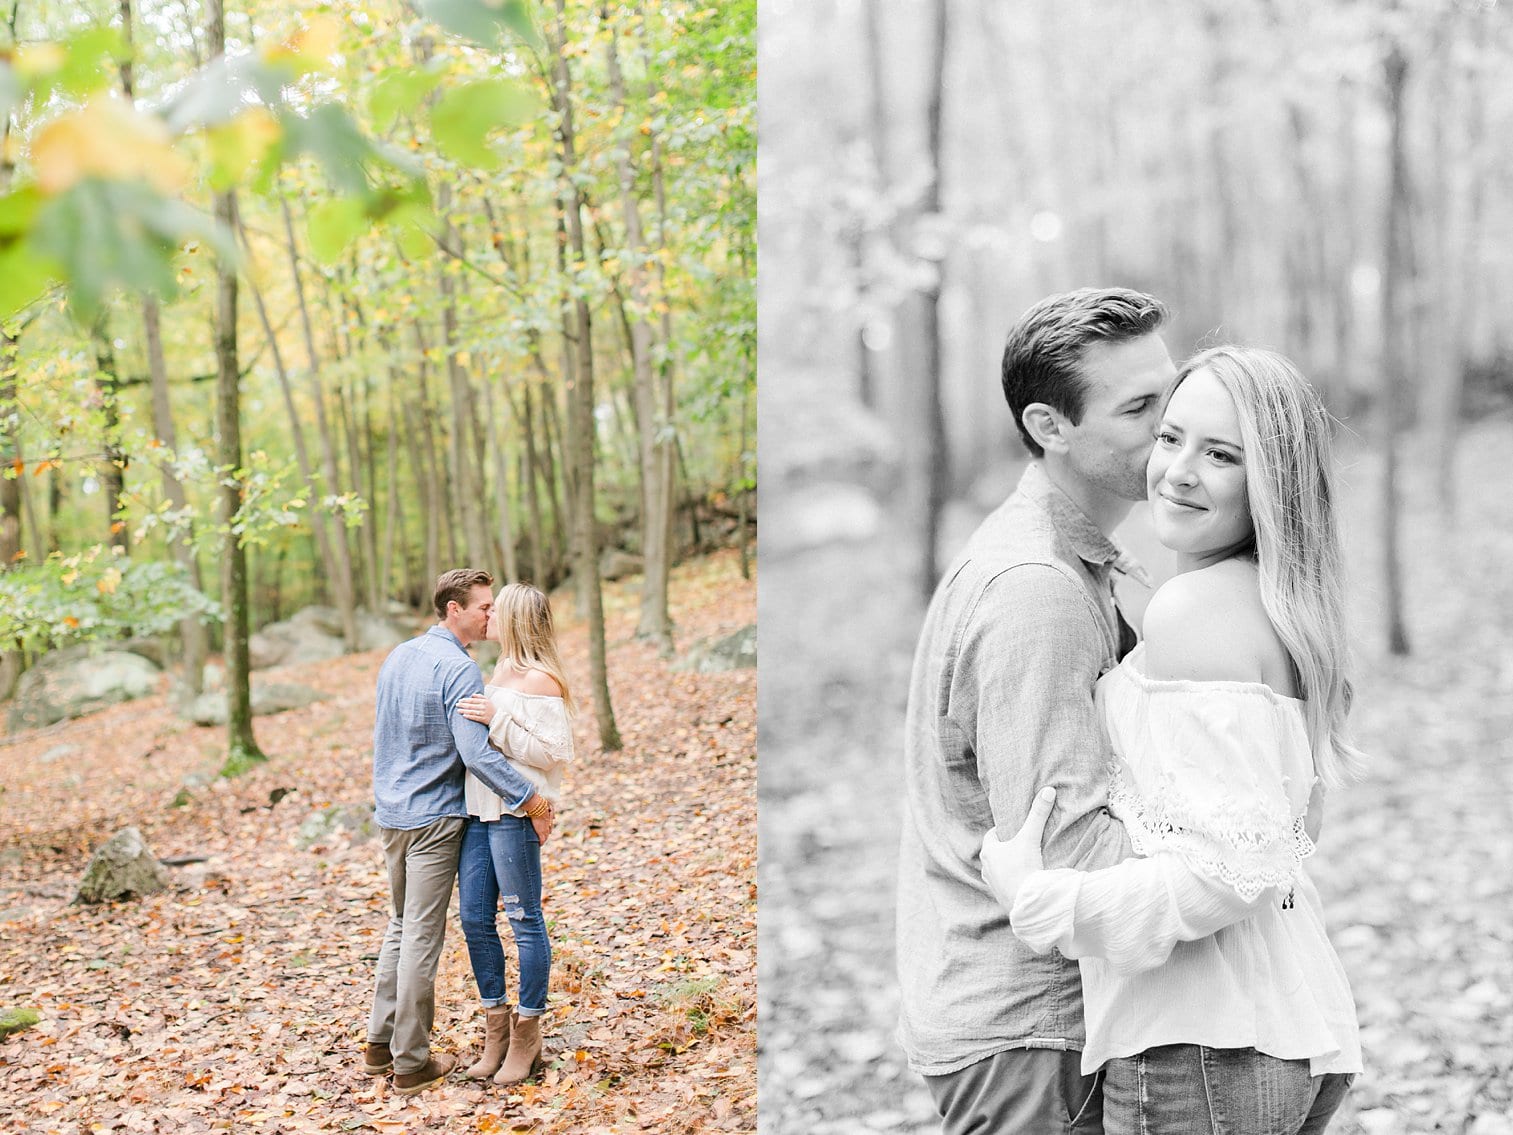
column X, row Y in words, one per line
column 1196, row 474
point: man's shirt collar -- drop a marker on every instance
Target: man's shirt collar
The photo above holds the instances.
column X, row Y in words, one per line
column 441, row 632
column 1086, row 538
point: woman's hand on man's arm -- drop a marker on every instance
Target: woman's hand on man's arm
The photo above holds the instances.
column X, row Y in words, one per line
column 1006, row 864
column 477, row 707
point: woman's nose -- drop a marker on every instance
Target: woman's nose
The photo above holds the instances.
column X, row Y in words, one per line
column 1180, row 471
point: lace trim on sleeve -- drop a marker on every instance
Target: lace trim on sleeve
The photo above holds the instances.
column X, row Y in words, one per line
column 1245, row 844
column 550, row 729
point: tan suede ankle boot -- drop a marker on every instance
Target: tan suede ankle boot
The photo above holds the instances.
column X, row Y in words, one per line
column 498, row 1023
column 524, row 1058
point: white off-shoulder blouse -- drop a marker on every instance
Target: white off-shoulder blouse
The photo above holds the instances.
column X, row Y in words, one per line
column 1216, row 936
column 535, row 735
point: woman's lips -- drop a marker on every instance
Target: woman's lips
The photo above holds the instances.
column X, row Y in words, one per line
column 1178, row 503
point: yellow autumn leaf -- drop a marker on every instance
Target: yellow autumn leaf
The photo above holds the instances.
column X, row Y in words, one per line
column 312, row 46
column 69, row 577
column 33, row 59
column 106, row 138
column 108, row 582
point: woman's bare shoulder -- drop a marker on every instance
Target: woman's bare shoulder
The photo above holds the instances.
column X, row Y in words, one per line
column 540, row 683
column 1209, row 626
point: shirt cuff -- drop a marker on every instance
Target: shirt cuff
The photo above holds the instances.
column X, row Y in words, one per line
column 1044, row 910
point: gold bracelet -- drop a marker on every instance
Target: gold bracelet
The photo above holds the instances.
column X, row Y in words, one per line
column 541, row 805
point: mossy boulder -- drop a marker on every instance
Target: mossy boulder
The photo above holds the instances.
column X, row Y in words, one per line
column 124, row 867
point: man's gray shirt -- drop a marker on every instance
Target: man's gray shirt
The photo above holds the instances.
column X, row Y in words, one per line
column 1020, row 629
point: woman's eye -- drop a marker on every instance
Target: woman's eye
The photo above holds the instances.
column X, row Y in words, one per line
column 1165, row 437
column 1221, row 457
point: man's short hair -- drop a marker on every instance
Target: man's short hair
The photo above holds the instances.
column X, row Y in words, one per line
column 458, row 585
column 1042, row 360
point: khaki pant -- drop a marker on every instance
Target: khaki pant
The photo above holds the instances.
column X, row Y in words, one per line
column 422, row 865
column 1024, row 1091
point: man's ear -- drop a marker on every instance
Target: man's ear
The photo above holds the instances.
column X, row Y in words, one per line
column 1045, row 424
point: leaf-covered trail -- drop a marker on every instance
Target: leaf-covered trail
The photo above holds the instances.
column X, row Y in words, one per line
column 237, row 999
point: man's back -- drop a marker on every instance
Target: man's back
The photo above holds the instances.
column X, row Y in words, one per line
column 417, row 771
column 1000, row 704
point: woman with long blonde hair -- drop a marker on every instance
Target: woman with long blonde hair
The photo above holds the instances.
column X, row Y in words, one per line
column 528, row 708
column 1212, row 997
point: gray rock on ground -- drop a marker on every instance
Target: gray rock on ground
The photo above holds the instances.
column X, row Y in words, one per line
column 72, row 682
column 380, row 632
column 314, row 634
column 294, row 640
column 267, row 698
column 123, row 867
column 616, row 563
column 733, row 652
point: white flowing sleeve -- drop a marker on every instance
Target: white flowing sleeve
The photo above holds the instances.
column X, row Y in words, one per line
column 534, row 731
column 1132, row 914
column 1212, row 781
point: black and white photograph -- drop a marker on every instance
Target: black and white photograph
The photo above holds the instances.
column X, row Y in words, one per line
column 1135, row 390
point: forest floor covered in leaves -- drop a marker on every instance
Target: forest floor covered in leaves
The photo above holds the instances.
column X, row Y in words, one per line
column 1415, row 866
column 237, row 1000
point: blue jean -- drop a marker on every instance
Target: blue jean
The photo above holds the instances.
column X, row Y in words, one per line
column 1176, row 1089
column 497, row 856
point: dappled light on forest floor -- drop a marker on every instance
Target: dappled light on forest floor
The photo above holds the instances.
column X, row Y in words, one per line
column 237, row 1000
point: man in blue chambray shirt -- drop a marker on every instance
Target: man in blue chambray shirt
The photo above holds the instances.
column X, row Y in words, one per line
column 421, row 745
column 1001, row 704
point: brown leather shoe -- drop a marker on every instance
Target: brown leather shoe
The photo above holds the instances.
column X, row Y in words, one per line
column 436, row 1069
column 377, row 1061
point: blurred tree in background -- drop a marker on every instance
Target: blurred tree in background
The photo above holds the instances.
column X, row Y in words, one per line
column 1236, row 161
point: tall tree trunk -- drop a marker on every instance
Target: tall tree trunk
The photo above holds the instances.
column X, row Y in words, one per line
column 378, row 583
column 1394, row 347
column 349, row 397
column 559, row 485
column 1229, row 264
column 394, row 519
column 653, row 433
column 666, row 369
column 12, row 660
column 113, row 468
column 495, row 429
column 1347, row 244
column 1456, row 181
column 343, row 586
column 467, row 483
column 879, row 131
column 192, row 634
column 533, row 495
column 581, row 400
column 937, row 458
column 324, row 546
column 12, row 482
column 191, row 630
column 242, row 748
column 437, row 530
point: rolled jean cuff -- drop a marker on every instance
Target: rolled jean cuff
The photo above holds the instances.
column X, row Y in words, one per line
column 493, row 1002
column 529, row 1012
